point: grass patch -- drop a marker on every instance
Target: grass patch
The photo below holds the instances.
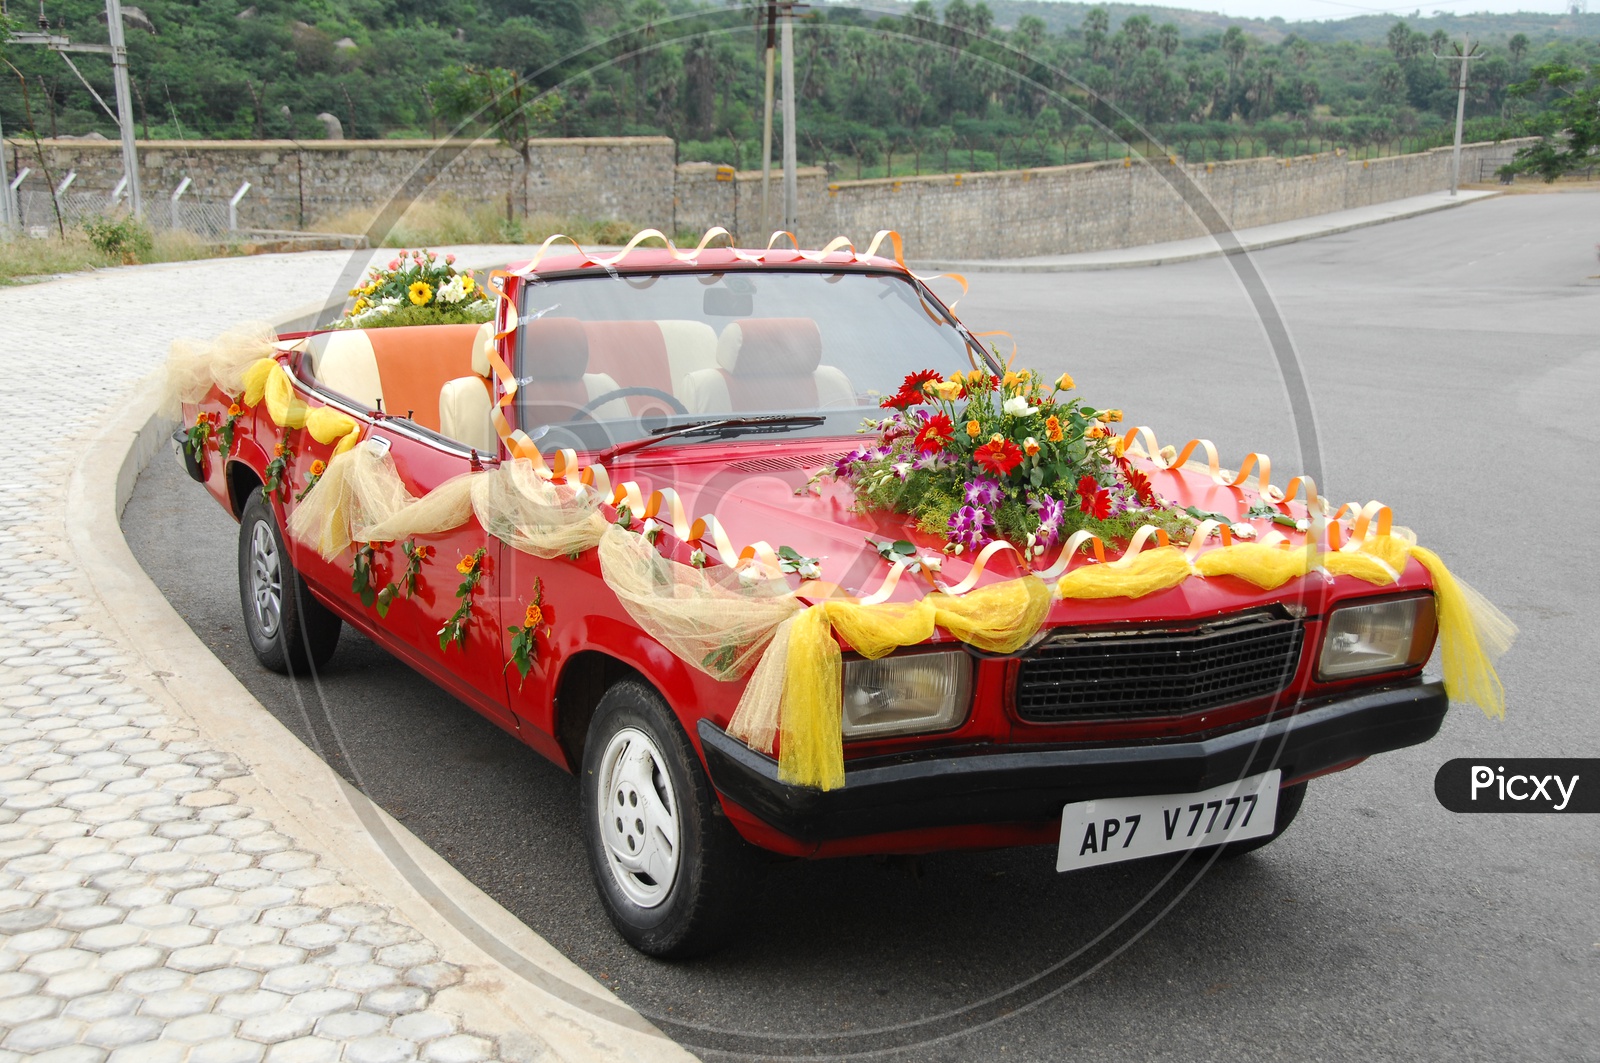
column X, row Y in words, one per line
column 23, row 256
column 434, row 223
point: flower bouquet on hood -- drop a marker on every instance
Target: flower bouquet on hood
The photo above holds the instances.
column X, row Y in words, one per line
column 417, row 288
column 977, row 457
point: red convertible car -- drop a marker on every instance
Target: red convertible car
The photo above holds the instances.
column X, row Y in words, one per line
column 1190, row 718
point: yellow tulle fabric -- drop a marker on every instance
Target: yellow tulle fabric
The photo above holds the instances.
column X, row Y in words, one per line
column 710, row 618
column 1472, row 636
column 1268, row 567
column 1148, row 572
column 796, row 689
column 194, row 367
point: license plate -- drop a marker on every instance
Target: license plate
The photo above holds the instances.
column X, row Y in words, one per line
column 1129, row 828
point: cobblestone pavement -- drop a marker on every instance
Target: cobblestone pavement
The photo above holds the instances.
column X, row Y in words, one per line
column 146, row 915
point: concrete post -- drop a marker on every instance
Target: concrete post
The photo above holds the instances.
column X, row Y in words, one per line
column 119, row 74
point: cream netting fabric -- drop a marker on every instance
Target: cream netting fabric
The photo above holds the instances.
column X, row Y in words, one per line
column 194, row 366
column 361, row 498
column 709, row 618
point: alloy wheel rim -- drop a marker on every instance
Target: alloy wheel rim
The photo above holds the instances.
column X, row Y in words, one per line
column 638, row 811
column 266, row 580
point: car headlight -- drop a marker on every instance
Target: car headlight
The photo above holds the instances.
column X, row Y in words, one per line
column 910, row 694
column 1377, row 637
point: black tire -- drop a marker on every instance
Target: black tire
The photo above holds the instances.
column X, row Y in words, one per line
column 290, row 631
column 710, row 865
column 1290, row 798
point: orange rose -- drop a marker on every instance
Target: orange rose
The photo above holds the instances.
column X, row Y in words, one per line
column 234, row 410
column 1052, row 429
column 1030, row 446
column 318, row 467
column 973, row 428
column 534, row 616
column 1096, row 432
column 466, row 565
column 279, row 450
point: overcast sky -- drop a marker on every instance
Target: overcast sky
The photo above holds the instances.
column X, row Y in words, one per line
column 1332, row 9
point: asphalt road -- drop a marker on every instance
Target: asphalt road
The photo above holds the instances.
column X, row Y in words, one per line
column 1454, row 365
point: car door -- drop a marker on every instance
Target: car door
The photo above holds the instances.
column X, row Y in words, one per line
column 415, row 610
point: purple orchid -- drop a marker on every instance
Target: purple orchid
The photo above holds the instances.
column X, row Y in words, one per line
column 967, row 526
column 981, row 492
column 1052, row 512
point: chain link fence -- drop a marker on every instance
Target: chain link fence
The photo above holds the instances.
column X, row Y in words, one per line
column 42, row 212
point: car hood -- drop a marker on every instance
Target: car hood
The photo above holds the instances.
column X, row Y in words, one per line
column 762, row 493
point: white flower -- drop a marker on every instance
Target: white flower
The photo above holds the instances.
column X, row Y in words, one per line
column 452, row 292
column 698, row 558
column 1243, row 530
column 808, row 569
column 1017, row 406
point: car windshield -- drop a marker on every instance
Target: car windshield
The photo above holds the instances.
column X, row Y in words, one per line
column 605, row 360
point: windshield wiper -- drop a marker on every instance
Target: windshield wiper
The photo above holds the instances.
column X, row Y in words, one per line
column 720, row 428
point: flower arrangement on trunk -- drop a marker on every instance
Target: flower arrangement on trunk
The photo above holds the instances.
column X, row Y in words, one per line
column 977, row 457
column 417, row 288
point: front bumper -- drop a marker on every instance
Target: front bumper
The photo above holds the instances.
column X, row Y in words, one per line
column 1028, row 784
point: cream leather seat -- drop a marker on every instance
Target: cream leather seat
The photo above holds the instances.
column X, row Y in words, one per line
column 768, row 364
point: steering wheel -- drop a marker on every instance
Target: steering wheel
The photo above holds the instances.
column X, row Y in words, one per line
column 598, row 401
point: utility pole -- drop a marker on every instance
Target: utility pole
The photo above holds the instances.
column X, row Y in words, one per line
column 118, row 51
column 1466, row 52
column 766, row 123
column 119, row 78
column 791, row 196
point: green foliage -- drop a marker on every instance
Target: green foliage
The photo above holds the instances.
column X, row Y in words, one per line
column 124, row 238
column 1569, row 129
column 963, row 86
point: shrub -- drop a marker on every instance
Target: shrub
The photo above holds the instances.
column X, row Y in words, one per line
column 124, row 238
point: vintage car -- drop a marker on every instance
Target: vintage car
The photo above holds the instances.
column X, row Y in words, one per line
column 1185, row 720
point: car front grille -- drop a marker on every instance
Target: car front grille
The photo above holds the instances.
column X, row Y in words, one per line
column 1158, row 672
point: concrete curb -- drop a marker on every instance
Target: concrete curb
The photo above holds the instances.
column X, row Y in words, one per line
column 517, row 987
column 1096, row 260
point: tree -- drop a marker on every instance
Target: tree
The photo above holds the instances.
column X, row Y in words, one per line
column 1569, row 130
column 1517, row 46
column 1137, row 27
column 1400, row 40
column 1234, row 45
column 1167, row 39
column 511, row 108
column 1095, row 26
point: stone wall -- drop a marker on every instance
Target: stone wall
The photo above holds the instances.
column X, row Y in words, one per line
column 1105, row 205
column 1052, row 210
column 301, row 185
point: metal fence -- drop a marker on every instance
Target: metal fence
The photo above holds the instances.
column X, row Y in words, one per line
column 42, row 212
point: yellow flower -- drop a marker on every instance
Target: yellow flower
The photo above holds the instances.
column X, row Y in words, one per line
column 468, row 284
column 973, row 428
column 1030, row 446
column 421, row 294
column 361, row 304
column 1064, row 382
column 466, row 565
column 318, row 467
column 1012, row 379
column 1109, row 416
column 1118, row 444
column 948, row 390
column 1096, row 432
column 1052, row 429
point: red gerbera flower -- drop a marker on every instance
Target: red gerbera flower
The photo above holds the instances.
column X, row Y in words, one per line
column 1141, row 486
column 1094, row 499
column 910, row 393
column 998, row 456
column 934, row 434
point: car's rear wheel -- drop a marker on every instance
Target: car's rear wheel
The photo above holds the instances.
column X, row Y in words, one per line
column 1290, row 798
column 289, row 630
column 670, row 868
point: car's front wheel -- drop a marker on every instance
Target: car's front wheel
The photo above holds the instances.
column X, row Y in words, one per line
column 670, row 868
column 289, row 630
